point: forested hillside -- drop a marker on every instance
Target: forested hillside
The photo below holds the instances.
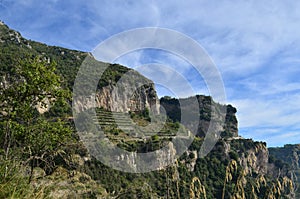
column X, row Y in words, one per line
column 42, row 156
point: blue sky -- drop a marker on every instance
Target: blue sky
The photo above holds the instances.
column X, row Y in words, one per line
column 254, row 44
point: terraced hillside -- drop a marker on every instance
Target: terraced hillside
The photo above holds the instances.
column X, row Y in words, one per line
column 47, row 159
column 134, row 131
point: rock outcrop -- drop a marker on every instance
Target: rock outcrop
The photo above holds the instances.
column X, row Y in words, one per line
column 222, row 117
column 255, row 159
column 114, row 88
column 120, row 89
column 287, row 158
column 121, row 99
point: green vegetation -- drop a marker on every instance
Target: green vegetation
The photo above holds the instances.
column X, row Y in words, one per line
column 129, row 135
column 33, row 83
column 205, row 105
column 41, row 155
column 215, row 176
column 13, row 183
column 287, row 158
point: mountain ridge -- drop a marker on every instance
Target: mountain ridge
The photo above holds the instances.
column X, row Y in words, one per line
column 235, row 168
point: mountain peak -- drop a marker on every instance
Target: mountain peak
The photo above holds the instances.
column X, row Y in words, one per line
column 9, row 35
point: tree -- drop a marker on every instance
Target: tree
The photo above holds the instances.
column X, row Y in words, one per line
column 31, row 84
column 44, row 142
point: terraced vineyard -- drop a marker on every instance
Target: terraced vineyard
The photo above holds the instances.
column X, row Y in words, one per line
column 134, row 131
column 116, row 120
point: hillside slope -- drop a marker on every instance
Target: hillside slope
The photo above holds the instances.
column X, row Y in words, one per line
column 235, row 168
column 15, row 48
column 288, row 157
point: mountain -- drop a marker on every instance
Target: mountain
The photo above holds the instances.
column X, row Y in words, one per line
column 14, row 47
column 235, row 167
column 288, row 157
column 204, row 104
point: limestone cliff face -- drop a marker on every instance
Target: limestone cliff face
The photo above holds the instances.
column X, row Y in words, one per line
column 251, row 156
column 119, row 89
column 121, row 99
column 255, row 159
column 162, row 160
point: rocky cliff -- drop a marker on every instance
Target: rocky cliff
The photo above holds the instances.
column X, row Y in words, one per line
column 119, row 89
column 234, row 168
column 118, row 99
column 134, row 93
column 223, row 116
column 287, row 158
column 253, row 156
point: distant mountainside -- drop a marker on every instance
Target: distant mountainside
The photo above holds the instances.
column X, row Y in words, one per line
column 289, row 156
column 235, row 168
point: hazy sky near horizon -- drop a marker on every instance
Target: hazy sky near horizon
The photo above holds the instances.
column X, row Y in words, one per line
column 254, row 44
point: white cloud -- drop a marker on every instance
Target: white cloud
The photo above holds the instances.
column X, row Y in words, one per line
column 257, row 112
column 161, row 66
column 275, row 137
column 169, row 78
column 240, row 35
column 256, row 45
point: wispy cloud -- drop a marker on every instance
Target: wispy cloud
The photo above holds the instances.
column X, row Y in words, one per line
column 269, row 119
column 161, row 66
column 255, row 45
column 274, row 136
column 268, row 112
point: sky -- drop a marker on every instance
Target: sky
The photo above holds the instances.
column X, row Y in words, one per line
column 254, row 44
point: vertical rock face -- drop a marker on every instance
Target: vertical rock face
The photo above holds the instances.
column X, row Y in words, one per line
column 231, row 121
column 121, row 99
column 119, row 89
column 160, row 160
column 126, row 90
column 208, row 111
